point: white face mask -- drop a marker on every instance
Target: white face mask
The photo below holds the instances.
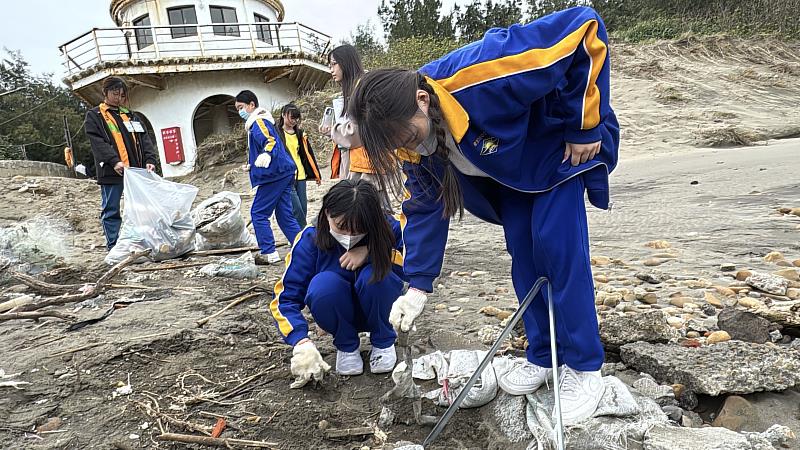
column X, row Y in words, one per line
column 347, row 241
column 429, row 145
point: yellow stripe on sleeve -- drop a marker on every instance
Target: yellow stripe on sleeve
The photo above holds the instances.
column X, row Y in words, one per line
column 270, row 139
column 597, row 50
column 284, row 325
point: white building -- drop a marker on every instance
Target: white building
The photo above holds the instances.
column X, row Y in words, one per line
column 185, row 60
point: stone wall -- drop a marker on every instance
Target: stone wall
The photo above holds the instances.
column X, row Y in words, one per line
column 11, row 168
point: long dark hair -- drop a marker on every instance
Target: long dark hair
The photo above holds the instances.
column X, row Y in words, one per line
column 350, row 62
column 247, row 97
column 383, row 104
column 294, row 113
column 357, row 207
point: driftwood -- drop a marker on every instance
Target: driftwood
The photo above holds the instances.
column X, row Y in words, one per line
column 230, row 305
column 223, row 251
column 168, row 267
column 218, row 442
column 345, row 432
column 41, row 287
column 35, row 315
column 89, row 290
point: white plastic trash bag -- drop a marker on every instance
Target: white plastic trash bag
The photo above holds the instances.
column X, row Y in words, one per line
column 452, row 370
column 156, row 215
column 219, row 223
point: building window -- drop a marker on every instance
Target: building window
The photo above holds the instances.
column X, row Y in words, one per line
column 144, row 36
column 263, row 32
column 182, row 15
column 221, row 14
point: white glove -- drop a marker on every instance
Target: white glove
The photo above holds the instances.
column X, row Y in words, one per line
column 307, row 363
column 406, row 308
column 263, row 160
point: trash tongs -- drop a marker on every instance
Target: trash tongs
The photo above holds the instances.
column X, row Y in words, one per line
column 559, row 431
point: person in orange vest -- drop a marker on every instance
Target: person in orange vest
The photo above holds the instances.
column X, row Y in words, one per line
column 119, row 140
column 349, row 160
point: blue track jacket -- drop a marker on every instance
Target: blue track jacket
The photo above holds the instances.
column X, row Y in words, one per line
column 303, row 262
column 262, row 137
column 511, row 101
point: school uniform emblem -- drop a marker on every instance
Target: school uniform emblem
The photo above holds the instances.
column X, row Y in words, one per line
column 488, row 145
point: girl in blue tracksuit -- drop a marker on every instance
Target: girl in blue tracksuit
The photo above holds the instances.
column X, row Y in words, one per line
column 272, row 172
column 516, row 128
column 348, row 271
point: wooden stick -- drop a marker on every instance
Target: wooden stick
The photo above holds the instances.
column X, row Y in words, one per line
column 169, row 419
column 41, row 287
column 345, row 432
column 230, row 305
column 85, row 347
column 209, row 441
column 35, row 315
column 92, row 291
column 223, row 251
column 168, row 267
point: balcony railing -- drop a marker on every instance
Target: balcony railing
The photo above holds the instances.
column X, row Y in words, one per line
column 152, row 43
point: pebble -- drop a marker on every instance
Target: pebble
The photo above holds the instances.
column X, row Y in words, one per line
column 440, row 307
column 749, row 302
column 51, row 424
column 773, row 256
column 796, row 263
column 793, row 293
column 454, row 308
column 674, row 413
column 601, row 278
column 790, row 274
column 712, row 300
column 501, row 290
column 323, row 424
column 727, row 267
column 696, row 284
column 680, row 302
column 478, row 273
column 600, row 260
column 743, row 274
column 783, row 263
column 611, row 302
column 775, row 335
column 726, row 291
column 693, row 334
column 658, row 245
column 651, row 262
column 717, row 337
column 675, row 322
column 628, row 297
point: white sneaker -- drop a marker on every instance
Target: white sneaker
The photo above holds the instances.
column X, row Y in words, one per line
column 382, row 360
column 580, row 394
column 349, row 363
column 273, row 257
column 524, row 378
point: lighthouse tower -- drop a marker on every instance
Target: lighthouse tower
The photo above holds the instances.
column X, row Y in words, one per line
column 185, row 60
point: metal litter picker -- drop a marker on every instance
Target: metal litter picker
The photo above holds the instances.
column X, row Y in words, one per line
column 559, row 429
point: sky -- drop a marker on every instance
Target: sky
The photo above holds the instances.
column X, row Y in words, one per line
column 38, row 27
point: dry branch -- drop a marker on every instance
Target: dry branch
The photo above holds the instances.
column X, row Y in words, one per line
column 41, row 287
column 35, row 315
column 218, row 442
column 230, row 305
column 345, row 432
column 92, row 290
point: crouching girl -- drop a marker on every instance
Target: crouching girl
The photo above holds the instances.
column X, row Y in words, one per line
column 348, row 271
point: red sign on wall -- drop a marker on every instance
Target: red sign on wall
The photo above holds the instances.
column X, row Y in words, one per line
column 173, row 145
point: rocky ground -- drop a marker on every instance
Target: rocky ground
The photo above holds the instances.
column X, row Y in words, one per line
column 697, row 271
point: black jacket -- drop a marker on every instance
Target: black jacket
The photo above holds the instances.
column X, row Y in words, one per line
column 104, row 149
column 306, row 154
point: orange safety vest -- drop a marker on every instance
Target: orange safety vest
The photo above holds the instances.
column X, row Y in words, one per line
column 115, row 133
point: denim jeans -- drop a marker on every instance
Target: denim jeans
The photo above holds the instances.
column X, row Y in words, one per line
column 300, row 202
column 110, row 216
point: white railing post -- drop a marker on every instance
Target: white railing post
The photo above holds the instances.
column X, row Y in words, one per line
column 155, row 41
column 252, row 39
column 96, row 45
column 299, row 39
column 200, row 38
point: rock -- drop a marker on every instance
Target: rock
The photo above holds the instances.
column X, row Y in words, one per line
column 454, row 308
column 773, row 256
column 612, row 301
column 727, row 267
column 726, row 291
column 796, row 263
column 680, row 302
column 652, row 390
column 708, row 310
column 508, row 412
column 728, row 367
column 323, row 424
column 744, row 326
column 717, row 337
column 775, row 336
column 688, row 401
column 712, row 300
column 743, row 274
column 675, row 413
column 790, row 274
column 51, row 424
column 691, row 419
column 440, row 307
column 663, row 437
column 783, row 263
column 653, row 277
column 650, row 326
column 658, row 245
column 651, row 262
column 693, row 334
column 600, row 260
column 793, row 293
column 496, row 312
column 734, row 413
column 749, row 302
column 601, row 278
column 768, row 283
column 675, row 322
column 778, row 436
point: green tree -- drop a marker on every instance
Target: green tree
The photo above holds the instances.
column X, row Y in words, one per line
column 32, row 112
column 477, row 17
column 415, row 18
